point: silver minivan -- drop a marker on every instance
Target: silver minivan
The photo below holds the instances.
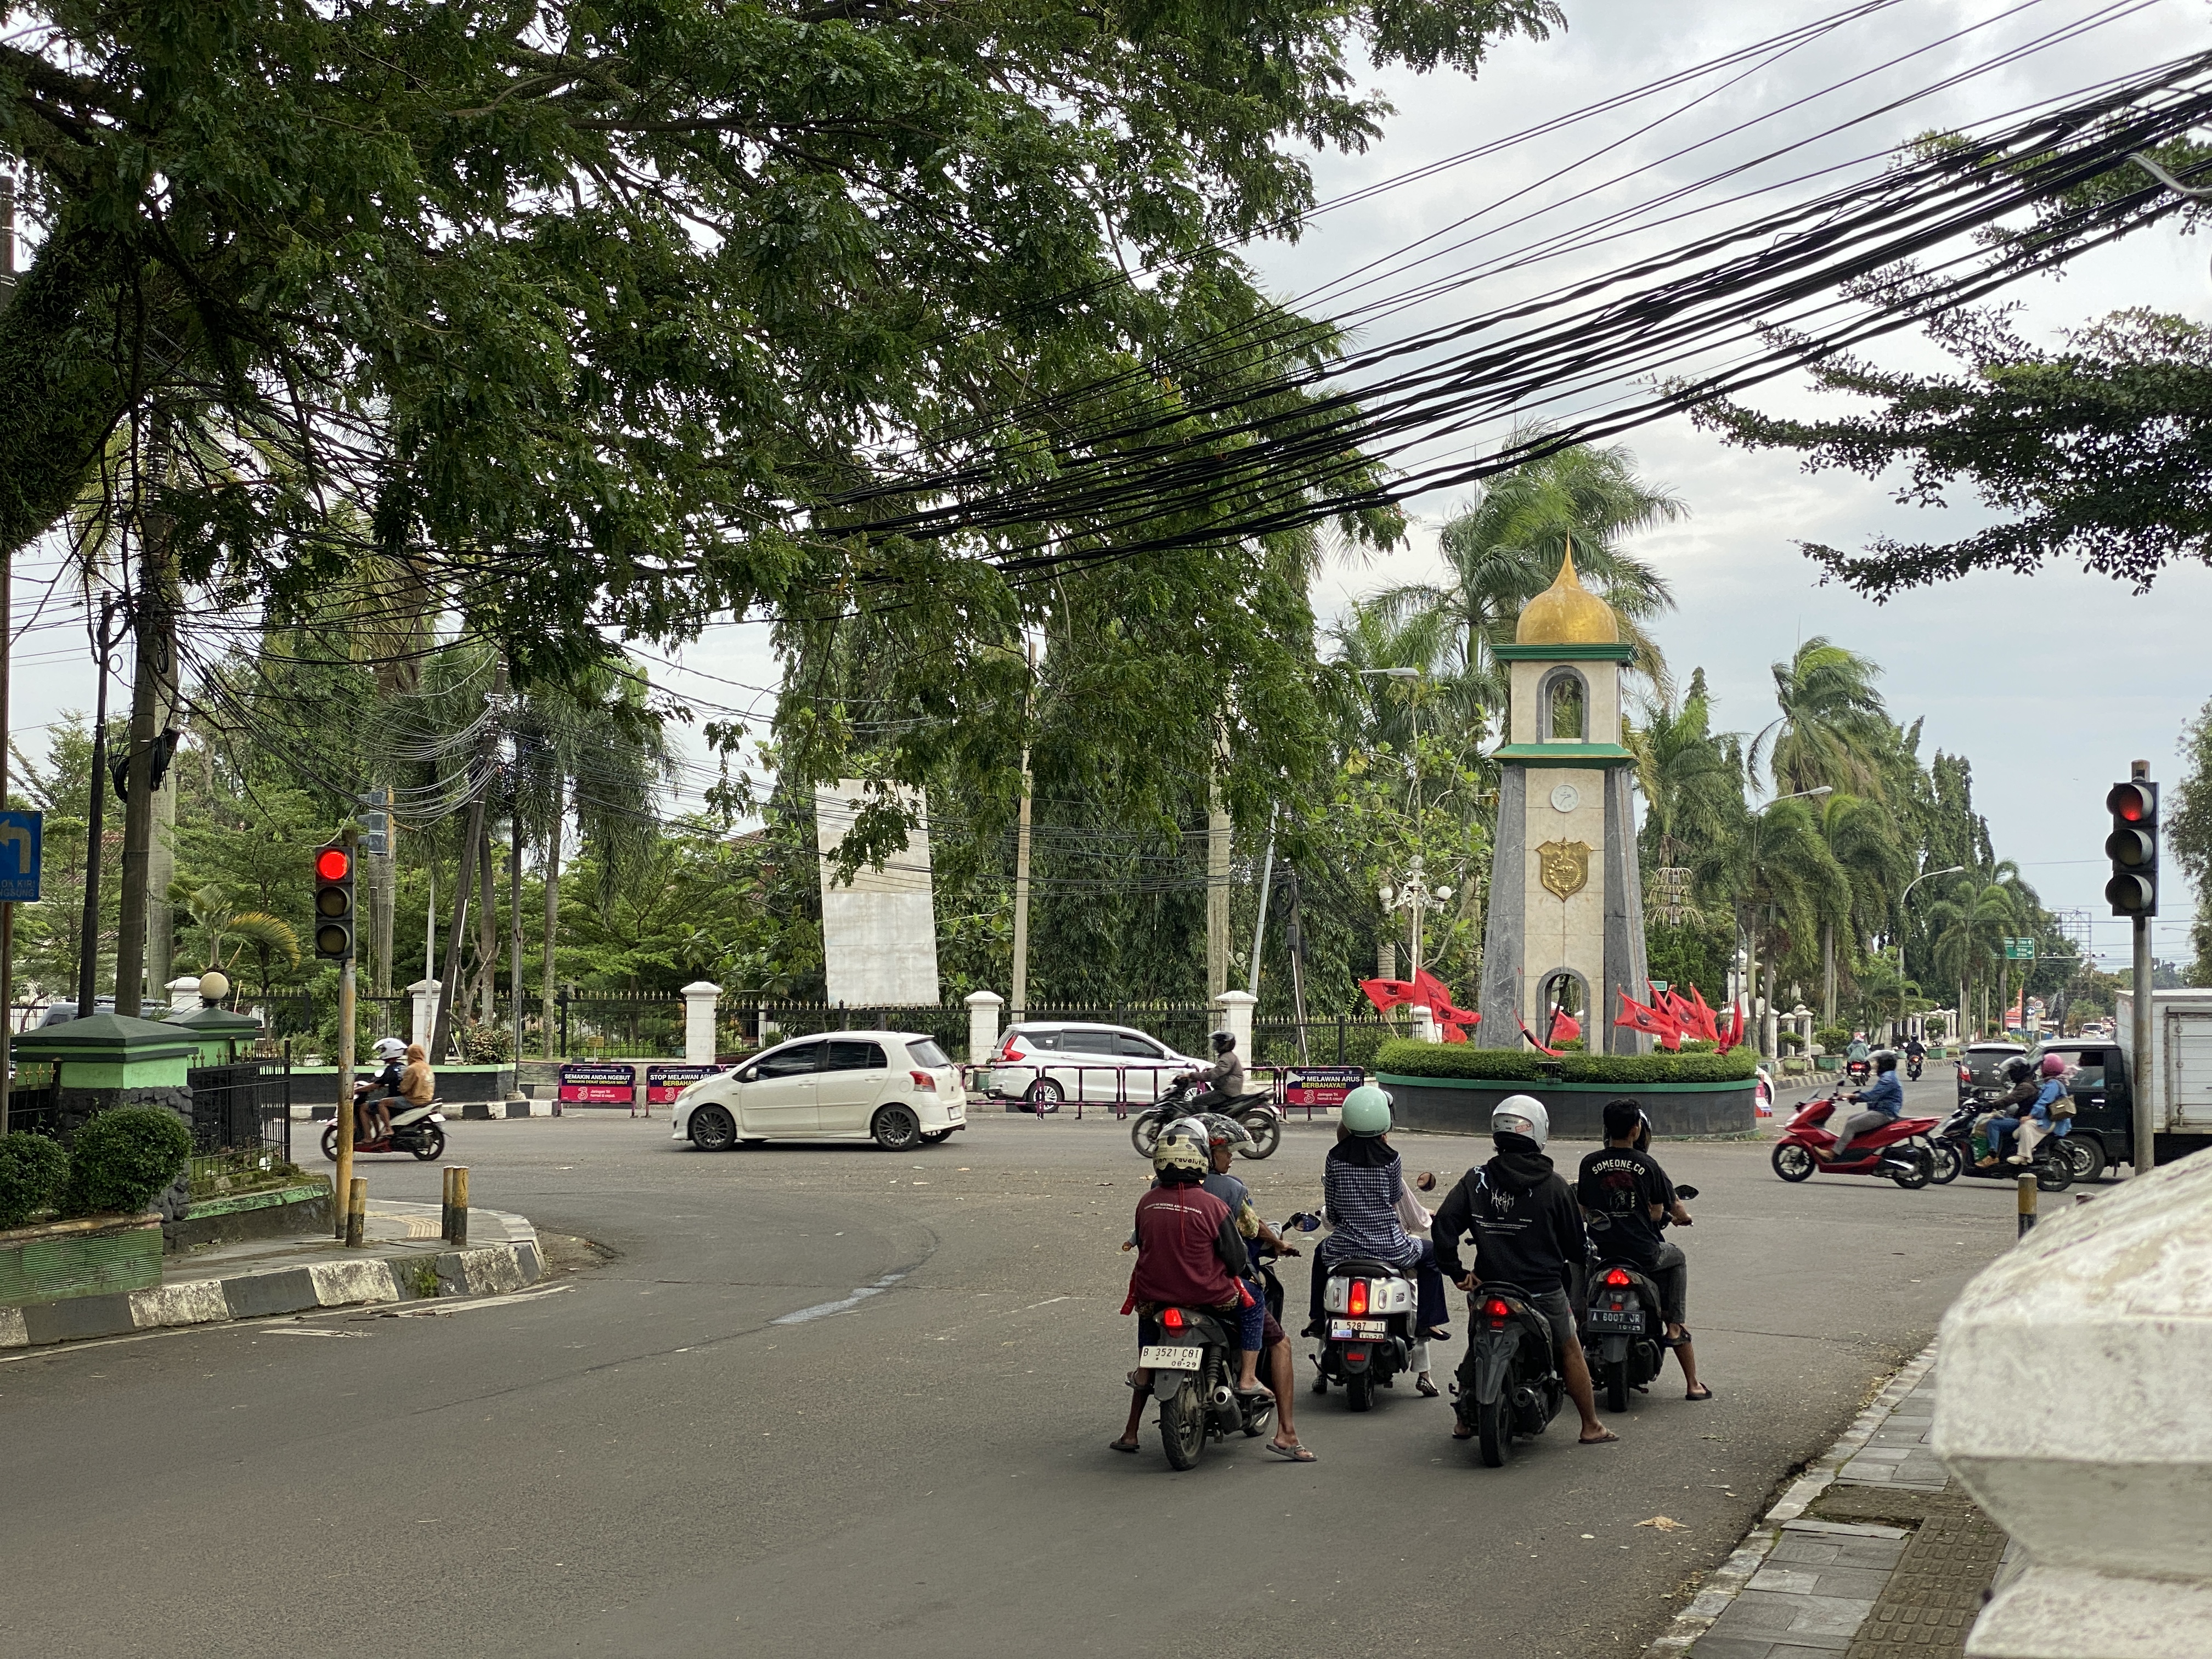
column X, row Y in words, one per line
column 1043, row 1062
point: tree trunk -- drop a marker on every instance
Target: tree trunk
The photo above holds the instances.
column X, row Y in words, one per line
column 486, row 931
column 1828, row 973
column 552, row 877
column 514, row 935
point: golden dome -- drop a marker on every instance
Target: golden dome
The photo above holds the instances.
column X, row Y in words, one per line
column 1567, row 613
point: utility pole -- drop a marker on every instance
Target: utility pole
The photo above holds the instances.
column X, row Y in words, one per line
column 1267, row 880
column 1217, row 891
column 153, row 632
column 1294, row 940
column 342, row 1189
column 104, row 638
column 441, row 1031
column 514, row 920
column 1020, row 1001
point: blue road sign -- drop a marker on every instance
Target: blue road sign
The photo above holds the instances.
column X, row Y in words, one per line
column 22, row 835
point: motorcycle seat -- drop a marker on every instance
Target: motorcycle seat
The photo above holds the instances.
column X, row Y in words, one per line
column 1365, row 1266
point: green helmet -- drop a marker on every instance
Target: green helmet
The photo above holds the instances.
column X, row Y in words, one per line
column 1366, row 1111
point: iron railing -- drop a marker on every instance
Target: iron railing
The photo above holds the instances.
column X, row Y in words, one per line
column 241, row 1117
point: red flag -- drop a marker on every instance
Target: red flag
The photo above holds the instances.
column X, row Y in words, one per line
column 1734, row 1035
column 1703, row 1017
column 1423, row 990
column 1653, row 1021
column 1387, row 994
column 1565, row 1027
column 1533, row 1043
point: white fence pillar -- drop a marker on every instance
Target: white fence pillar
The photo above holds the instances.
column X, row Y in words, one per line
column 425, row 1021
column 1424, row 1023
column 983, row 1025
column 700, row 1000
column 183, row 995
column 1235, row 1008
column 2070, row 1401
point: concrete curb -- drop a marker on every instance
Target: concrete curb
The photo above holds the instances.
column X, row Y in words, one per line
column 360, row 1281
column 1788, row 1513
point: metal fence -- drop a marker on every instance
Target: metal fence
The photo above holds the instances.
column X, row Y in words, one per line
column 241, row 1117
column 591, row 1026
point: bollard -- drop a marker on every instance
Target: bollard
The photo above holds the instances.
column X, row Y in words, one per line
column 456, row 1233
column 446, row 1204
column 357, row 1212
column 2027, row 1205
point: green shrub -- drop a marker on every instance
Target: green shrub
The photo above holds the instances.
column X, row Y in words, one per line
column 487, row 1045
column 1833, row 1039
column 32, row 1171
column 123, row 1159
column 1527, row 1066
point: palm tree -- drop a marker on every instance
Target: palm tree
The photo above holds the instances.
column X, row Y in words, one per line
column 1832, row 729
column 1506, row 548
column 1692, row 778
column 1862, row 838
column 1784, row 880
column 1971, row 925
column 221, row 928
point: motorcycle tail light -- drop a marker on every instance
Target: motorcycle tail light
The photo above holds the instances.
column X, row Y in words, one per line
column 1496, row 1310
column 1172, row 1319
column 1357, row 1306
column 1618, row 1277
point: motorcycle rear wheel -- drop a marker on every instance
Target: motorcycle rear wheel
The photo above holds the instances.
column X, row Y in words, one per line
column 1359, row 1391
column 1266, row 1132
column 1183, row 1426
column 1616, row 1386
column 1145, row 1133
column 331, row 1143
column 2054, row 1174
column 1916, row 1175
column 432, row 1146
column 1792, row 1162
column 1493, row 1432
column 1948, row 1164
column 2086, row 1155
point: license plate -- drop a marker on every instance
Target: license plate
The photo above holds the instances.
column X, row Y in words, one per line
column 956, row 1113
column 1358, row 1330
column 1170, row 1359
column 1616, row 1319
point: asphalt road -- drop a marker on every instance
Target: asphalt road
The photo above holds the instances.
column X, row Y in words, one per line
column 660, row 1457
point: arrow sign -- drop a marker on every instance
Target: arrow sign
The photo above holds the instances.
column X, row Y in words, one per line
column 22, row 838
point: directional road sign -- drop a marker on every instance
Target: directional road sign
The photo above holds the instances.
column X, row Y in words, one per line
column 22, row 835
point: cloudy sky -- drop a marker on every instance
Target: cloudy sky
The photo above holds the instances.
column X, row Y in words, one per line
column 2049, row 684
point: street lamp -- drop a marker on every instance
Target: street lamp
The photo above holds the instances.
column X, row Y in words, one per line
column 1750, row 934
column 1956, row 869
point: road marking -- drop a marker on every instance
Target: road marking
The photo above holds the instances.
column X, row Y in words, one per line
column 443, row 1309
column 824, row 1310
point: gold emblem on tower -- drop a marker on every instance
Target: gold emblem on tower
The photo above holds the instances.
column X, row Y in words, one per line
column 1564, row 866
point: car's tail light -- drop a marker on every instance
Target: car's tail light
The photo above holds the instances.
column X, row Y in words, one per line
column 1357, row 1306
column 1011, row 1050
column 922, row 1079
column 1618, row 1277
column 1172, row 1319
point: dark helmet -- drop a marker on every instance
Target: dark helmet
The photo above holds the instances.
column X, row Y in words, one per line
column 1223, row 1042
column 2018, row 1069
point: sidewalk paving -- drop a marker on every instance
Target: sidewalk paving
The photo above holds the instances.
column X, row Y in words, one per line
column 403, row 1259
column 1874, row 1553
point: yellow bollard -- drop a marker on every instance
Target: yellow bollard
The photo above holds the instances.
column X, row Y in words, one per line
column 357, row 1212
column 2027, row 1205
column 460, row 1236
column 446, row 1204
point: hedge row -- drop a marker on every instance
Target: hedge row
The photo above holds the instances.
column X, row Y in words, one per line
column 119, row 1163
column 1452, row 1060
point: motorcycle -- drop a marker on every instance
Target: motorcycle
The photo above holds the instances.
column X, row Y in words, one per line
column 1368, row 1308
column 1256, row 1111
column 1510, row 1376
column 1193, row 1365
column 1622, row 1322
column 2053, row 1161
column 417, row 1129
column 1912, row 1067
column 1858, row 1071
column 1898, row 1150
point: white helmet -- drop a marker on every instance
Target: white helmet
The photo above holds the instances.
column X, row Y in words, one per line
column 390, row 1049
column 1521, row 1114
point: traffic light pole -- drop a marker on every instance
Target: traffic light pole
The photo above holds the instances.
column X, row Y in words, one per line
column 341, row 1191
column 2145, row 1074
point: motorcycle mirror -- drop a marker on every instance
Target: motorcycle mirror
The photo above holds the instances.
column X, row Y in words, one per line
column 1306, row 1222
column 1426, row 1180
column 1685, row 1192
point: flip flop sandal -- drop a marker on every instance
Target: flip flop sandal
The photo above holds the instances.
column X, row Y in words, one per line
column 1123, row 1446
column 1608, row 1438
column 1293, row 1453
column 1256, row 1392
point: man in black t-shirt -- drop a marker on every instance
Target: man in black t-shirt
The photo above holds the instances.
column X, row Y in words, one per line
column 1632, row 1192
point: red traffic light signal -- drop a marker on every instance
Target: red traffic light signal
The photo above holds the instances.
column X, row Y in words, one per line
column 2133, row 803
column 333, row 864
column 334, row 904
column 2133, row 849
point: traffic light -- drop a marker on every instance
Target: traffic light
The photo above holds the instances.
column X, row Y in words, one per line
column 334, row 904
column 2133, row 849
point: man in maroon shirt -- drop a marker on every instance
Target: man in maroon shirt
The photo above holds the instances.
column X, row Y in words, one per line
column 1189, row 1255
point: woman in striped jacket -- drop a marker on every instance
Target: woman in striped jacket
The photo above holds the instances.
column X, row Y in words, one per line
column 1363, row 1189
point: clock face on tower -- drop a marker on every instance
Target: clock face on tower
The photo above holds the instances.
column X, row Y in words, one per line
column 1565, row 798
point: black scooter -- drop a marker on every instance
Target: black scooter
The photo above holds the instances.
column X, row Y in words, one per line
column 1912, row 1067
column 1953, row 1147
column 1623, row 1327
column 1509, row 1383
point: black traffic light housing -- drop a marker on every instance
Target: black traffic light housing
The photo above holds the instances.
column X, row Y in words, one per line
column 2133, row 849
column 334, row 904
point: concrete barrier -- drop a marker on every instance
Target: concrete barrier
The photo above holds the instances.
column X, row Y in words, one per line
column 1462, row 1106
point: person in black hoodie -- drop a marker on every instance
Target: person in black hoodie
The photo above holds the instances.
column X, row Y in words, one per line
column 1527, row 1231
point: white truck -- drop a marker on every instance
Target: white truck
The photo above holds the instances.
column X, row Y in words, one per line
column 2181, row 1062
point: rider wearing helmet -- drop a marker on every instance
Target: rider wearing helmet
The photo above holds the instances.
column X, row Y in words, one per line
column 1884, row 1099
column 1224, row 1078
column 370, row 1094
column 2040, row 1118
column 1190, row 1254
column 2022, row 1086
column 1362, row 1187
column 1528, row 1232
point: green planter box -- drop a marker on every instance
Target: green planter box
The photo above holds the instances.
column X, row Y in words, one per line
column 1828, row 1062
column 88, row 1257
column 1462, row 1106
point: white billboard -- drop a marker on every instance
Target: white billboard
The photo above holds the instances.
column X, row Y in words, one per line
column 879, row 932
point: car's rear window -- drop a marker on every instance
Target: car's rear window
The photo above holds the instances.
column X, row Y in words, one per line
column 847, row 1054
column 925, row 1053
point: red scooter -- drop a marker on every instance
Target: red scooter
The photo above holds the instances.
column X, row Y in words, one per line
column 1898, row 1150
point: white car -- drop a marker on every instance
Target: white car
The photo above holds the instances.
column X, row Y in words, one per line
column 896, row 1088
column 1046, row 1061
